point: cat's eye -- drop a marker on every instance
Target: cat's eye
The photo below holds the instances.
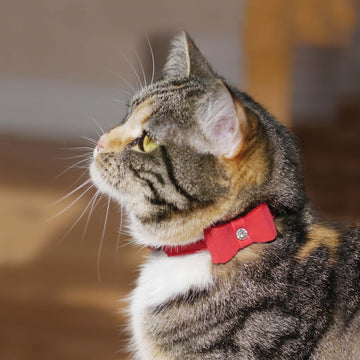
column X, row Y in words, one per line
column 148, row 144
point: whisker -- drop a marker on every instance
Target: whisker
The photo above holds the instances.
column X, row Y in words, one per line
column 98, row 125
column 133, row 69
column 126, row 92
column 78, row 152
column 127, row 242
column 90, row 140
column 141, row 65
column 84, row 166
column 95, row 200
column 69, row 206
column 78, row 148
column 102, row 239
column 120, row 101
column 152, row 59
column 73, row 191
column 119, row 235
column 74, row 224
column 85, row 172
column 124, row 80
column 88, row 155
column 80, row 178
column 72, row 166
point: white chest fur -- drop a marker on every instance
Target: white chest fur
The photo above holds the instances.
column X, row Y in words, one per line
column 162, row 278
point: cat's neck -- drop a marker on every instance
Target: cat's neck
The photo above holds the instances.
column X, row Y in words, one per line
column 224, row 240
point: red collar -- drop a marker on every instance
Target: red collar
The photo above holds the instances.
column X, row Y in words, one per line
column 225, row 240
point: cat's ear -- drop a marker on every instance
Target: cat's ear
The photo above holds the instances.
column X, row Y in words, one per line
column 185, row 59
column 223, row 121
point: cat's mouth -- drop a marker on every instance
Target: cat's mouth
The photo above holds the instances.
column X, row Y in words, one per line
column 101, row 182
column 95, row 152
column 100, row 178
column 97, row 174
column 108, row 183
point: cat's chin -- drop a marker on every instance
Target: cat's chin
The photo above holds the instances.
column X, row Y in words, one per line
column 158, row 235
column 101, row 183
column 153, row 234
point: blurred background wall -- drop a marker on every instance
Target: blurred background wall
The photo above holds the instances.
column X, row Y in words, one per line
column 66, row 65
column 58, row 58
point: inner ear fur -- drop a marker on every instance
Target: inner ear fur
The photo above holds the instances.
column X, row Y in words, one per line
column 223, row 121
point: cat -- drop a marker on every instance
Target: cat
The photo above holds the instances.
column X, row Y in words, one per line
column 240, row 265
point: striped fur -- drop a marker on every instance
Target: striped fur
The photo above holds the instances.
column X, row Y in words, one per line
column 218, row 155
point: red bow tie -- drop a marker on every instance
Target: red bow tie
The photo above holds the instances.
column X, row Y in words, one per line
column 224, row 241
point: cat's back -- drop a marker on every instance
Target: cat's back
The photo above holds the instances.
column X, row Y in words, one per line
column 341, row 341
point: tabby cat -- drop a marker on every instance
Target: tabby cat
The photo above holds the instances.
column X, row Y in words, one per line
column 240, row 266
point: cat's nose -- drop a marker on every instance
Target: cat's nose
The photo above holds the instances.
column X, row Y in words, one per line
column 99, row 146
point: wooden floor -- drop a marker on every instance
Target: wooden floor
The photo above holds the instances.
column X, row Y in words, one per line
column 52, row 304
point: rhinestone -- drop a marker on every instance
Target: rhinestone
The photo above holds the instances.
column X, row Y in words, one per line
column 241, row 233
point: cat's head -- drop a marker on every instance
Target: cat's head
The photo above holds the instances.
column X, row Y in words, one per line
column 193, row 151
